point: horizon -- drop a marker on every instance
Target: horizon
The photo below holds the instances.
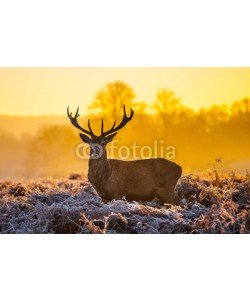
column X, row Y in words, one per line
column 48, row 91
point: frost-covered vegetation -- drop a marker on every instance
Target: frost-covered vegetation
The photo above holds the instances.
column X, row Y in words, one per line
column 208, row 204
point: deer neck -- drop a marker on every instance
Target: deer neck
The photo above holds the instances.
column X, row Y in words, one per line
column 99, row 169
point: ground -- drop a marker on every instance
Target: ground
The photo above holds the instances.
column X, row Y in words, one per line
column 208, row 204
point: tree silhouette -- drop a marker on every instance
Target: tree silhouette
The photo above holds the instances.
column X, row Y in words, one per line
column 242, row 107
column 166, row 105
column 110, row 99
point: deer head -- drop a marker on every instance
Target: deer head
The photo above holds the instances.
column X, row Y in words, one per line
column 98, row 142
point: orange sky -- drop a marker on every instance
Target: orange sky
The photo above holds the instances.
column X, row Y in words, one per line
column 40, row 91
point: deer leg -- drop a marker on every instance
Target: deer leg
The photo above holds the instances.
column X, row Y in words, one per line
column 166, row 196
column 159, row 195
column 105, row 200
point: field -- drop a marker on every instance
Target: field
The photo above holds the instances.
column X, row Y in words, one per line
column 208, row 204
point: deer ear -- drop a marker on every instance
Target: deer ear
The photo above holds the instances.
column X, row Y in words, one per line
column 85, row 138
column 110, row 137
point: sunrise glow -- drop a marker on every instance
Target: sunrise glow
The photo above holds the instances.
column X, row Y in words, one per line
column 47, row 91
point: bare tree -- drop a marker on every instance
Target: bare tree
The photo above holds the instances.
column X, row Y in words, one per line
column 166, row 105
column 112, row 97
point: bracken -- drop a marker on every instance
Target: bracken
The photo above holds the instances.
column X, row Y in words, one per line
column 72, row 206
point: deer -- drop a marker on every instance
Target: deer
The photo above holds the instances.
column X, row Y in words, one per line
column 141, row 180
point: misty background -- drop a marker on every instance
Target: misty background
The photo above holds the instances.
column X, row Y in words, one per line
column 208, row 138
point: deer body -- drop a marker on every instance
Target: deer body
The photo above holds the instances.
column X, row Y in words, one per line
column 138, row 180
column 114, row 179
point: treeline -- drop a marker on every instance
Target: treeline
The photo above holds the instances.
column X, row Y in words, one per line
column 199, row 137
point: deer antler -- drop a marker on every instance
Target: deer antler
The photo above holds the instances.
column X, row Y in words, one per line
column 124, row 121
column 74, row 121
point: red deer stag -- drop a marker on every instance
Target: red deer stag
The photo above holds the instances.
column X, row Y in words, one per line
column 139, row 180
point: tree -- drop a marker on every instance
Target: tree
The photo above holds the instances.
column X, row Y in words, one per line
column 110, row 99
column 166, row 101
column 51, row 151
column 166, row 105
column 213, row 116
column 241, row 108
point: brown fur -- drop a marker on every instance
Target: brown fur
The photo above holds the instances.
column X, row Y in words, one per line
column 138, row 180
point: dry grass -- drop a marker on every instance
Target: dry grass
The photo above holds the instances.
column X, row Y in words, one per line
column 208, row 204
